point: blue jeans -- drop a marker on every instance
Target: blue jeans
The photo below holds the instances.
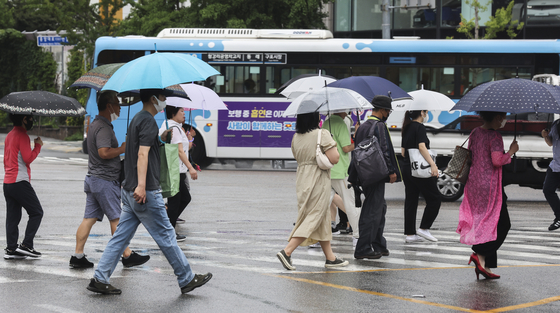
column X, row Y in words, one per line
column 153, row 216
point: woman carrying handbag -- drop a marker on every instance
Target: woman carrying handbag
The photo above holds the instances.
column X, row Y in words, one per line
column 483, row 216
column 420, row 174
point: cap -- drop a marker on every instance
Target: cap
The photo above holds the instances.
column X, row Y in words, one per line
column 382, row 102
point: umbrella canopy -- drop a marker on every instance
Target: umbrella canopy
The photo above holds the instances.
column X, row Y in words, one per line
column 513, row 95
column 97, row 77
column 201, row 98
column 327, row 100
column 371, row 86
column 41, row 103
column 159, row 70
column 301, row 84
column 424, row 100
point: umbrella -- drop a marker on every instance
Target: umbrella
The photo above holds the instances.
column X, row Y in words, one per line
column 371, row 86
column 41, row 103
column 201, row 98
column 513, row 95
column 304, row 83
column 97, row 77
column 424, row 100
column 327, row 100
column 159, row 70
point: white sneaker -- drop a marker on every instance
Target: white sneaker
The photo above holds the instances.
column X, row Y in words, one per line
column 354, row 242
column 315, row 245
column 413, row 238
column 425, row 233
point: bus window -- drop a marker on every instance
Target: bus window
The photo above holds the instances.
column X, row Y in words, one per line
column 238, row 79
column 340, row 72
column 440, row 79
column 276, row 76
column 472, row 77
column 118, row 56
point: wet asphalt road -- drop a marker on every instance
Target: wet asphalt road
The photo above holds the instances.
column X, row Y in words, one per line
column 236, row 223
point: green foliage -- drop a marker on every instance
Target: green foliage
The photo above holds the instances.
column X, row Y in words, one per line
column 6, row 15
column 33, row 15
column 75, row 137
column 502, row 21
column 76, row 68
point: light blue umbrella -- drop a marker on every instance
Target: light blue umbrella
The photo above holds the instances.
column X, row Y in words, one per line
column 159, row 70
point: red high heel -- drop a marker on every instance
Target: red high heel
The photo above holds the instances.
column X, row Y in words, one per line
column 474, row 258
column 481, row 270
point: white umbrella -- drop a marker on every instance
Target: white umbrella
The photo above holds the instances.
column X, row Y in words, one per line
column 304, row 83
column 327, row 100
column 202, row 98
column 424, row 100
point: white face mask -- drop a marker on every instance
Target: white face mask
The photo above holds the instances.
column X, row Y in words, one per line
column 503, row 123
column 161, row 104
column 425, row 118
column 114, row 116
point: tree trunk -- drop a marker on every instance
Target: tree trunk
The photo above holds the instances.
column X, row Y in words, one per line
column 476, row 22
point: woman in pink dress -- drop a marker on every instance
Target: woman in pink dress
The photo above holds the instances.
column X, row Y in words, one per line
column 483, row 216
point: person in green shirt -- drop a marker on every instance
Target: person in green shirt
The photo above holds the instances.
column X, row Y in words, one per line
column 339, row 173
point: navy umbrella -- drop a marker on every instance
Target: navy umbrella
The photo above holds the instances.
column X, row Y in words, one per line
column 515, row 95
column 371, row 86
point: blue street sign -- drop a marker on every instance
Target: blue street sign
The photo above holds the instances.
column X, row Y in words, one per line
column 51, row 40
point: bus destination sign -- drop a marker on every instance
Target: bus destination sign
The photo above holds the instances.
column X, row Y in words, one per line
column 245, row 58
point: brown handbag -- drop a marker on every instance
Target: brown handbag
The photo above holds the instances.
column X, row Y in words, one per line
column 460, row 164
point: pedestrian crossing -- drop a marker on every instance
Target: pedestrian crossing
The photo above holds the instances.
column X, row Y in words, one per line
column 41, row 159
column 256, row 252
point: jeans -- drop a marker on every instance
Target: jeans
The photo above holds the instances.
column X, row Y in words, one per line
column 19, row 195
column 551, row 183
column 153, row 216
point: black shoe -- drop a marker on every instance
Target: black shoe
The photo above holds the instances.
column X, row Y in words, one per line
column 134, row 259
column 384, row 252
column 13, row 254
column 197, row 281
column 372, row 255
column 82, row 262
column 28, row 251
column 341, row 226
column 555, row 225
column 335, row 231
column 99, row 287
column 285, row 260
column 180, row 237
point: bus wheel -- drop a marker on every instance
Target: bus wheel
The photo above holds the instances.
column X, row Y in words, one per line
column 198, row 152
column 278, row 164
column 450, row 189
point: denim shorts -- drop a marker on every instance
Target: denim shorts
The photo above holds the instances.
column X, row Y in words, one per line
column 103, row 198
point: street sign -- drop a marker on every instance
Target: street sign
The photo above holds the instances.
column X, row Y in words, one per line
column 51, row 40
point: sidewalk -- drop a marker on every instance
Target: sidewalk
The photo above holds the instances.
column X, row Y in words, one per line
column 52, row 144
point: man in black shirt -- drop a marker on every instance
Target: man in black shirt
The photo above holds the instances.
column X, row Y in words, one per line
column 143, row 202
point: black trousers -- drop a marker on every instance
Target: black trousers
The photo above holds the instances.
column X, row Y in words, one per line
column 551, row 183
column 177, row 204
column 489, row 249
column 413, row 187
column 372, row 220
column 19, row 195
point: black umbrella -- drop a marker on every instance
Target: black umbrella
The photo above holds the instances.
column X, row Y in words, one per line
column 41, row 103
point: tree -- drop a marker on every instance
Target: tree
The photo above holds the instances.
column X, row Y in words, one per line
column 6, row 15
column 76, row 68
column 498, row 23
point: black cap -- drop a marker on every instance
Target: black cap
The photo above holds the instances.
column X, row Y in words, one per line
column 382, row 102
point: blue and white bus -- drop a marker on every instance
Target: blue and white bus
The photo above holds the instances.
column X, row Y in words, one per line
column 255, row 63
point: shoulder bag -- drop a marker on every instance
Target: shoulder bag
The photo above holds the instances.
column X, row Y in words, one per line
column 322, row 160
column 420, row 168
column 460, row 164
column 169, row 169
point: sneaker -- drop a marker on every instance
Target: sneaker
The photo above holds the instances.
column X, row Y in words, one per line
column 425, row 233
column 413, row 238
column 13, row 254
column 335, row 231
column 315, row 245
column 82, row 262
column 180, row 221
column 180, row 237
column 341, row 226
column 28, row 251
column 336, row 263
column 99, row 287
column 555, row 225
column 286, row 260
column 134, row 259
column 197, row 281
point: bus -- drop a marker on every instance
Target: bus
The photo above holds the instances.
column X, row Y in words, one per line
column 254, row 63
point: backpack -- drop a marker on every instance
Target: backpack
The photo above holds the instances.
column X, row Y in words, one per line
column 368, row 165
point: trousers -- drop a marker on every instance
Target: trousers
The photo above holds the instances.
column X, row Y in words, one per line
column 18, row 195
column 413, row 187
column 372, row 220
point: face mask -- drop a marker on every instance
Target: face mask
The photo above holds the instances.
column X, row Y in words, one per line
column 425, row 118
column 503, row 123
column 29, row 124
column 114, row 116
column 384, row 119
column 161, row 104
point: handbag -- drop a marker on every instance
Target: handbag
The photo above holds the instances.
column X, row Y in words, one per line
column 420, row 168
column 322, row 160
column 460, row 164
column 169, row 175
column 368, row 163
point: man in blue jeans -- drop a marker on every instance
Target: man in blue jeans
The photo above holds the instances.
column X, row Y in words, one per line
column 143, row 202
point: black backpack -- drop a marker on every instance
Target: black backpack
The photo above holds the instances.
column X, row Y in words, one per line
column 368, row 165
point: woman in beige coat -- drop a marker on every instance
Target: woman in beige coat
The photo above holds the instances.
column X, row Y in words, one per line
column 314, row 193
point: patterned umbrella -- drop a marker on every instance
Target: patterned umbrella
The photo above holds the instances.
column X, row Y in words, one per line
column 97, row 77
column 513, row 95
column 41, row 103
